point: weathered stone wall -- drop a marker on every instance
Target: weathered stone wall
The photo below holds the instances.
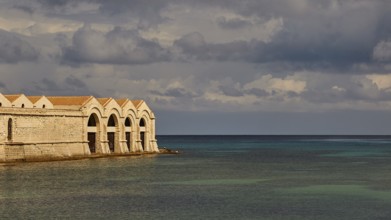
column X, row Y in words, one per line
column 41, row 133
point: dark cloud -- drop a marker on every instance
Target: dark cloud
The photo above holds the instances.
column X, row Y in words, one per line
column 24, row 8
column 119, row 11
column 193, row 45
column 339, row 33
column 13, row 49
column 230, row 91
column 75, row 82
column 57, row 3
column 49, row 84
column 323, row 48
column 71, row 85
column 118, row 46
column 148, row 15
column 235, row 40
column 315, row 34
column 257, row 92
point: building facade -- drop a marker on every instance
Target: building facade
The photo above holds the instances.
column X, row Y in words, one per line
column 56, row 127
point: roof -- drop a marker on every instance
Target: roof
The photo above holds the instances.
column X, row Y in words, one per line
column 122, row 102
column 104, row 101
column 69, row 100
column 74, row 100
column 137, row 103
column 12, row 98
column 34, row 99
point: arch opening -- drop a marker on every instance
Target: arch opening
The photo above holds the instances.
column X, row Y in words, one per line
column 92, row 132
column 112, row 132
column 128, row 134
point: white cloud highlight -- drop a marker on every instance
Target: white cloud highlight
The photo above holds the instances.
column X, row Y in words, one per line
column 382, row 81
column 273, row 84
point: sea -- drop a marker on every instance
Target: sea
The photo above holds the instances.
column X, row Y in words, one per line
column 213, row 177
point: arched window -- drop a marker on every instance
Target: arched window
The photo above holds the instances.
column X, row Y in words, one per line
column 22, row 105
column 93, row 132
column 142, row 122
column 112, row 133
column 127, row 122
column 43, row 106
column 91, row 121
column 1, row 104
column 9, row 137
column 111, row 122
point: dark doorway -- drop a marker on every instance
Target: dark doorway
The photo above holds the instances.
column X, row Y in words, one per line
column 128, row 136
column 91, row 141
column 111, row 139
column 142, row 132
column 128, row 139
column 112, row 132
column 142, row 137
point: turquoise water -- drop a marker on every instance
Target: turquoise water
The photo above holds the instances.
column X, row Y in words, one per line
column 215, row 177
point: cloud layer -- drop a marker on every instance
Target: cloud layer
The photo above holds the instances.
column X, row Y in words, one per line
column 200, row 56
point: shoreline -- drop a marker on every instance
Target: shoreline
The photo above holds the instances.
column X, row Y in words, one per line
column 162, row 151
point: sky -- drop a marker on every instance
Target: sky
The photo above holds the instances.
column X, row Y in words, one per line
column 210, row 66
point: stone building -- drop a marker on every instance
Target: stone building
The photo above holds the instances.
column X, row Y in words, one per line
column 55, row 127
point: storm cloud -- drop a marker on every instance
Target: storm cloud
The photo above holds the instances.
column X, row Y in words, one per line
column 248, row 57
column 118, row 46
column 13, row 49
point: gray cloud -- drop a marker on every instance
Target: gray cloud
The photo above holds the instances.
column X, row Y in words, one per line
column 382, row 51
column 75, row 82
column 13, row 49
column 24, row 8
column 193, row 45
column 325, row 32
column 324, row 48
column 230, row 91
column 215, row 50
column 174, row 92
column 257, row 92
column 316, row 34
column 118, row 46
column 70, row 85
column 234, row 23
column 116, row 11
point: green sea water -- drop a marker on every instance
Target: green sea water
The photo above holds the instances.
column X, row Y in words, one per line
column 214, row 177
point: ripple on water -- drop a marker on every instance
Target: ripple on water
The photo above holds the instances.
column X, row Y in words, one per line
column 341, row 190
column 216, row 182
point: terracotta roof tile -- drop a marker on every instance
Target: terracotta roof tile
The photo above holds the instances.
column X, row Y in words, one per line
column 69, row 100
column 12, row 98
column 137, row 103
column 34, row 99
column 122, row 102
column 104, row 101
